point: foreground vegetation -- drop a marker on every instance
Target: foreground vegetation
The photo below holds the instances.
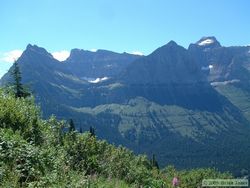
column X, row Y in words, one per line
column 49, row 153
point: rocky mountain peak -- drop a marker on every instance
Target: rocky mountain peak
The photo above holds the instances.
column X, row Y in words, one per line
column 36, row 49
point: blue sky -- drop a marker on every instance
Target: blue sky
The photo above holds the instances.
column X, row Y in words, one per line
column 129, row 25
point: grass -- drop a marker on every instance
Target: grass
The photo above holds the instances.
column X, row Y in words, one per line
column 140, row 114
column 237, row 96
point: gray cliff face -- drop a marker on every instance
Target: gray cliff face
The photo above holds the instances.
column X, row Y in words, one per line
column 101, row 63
column 219, row 63
column 168, row 64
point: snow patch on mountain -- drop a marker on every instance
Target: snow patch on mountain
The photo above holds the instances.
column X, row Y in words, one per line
column 207, row 67
column 225, row 82
column 95, row 80
column 206, row 42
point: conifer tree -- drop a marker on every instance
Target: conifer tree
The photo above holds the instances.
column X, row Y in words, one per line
column 18, row 87
column 154, row 162
column 80, row 130
column 71, row 126
column 92, row 131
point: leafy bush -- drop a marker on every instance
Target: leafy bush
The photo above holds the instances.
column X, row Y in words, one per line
column 20, row 114
column 19, row 156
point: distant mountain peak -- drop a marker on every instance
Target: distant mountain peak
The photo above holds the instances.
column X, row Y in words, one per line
column 171, row 43
column 210, row 41
column 85, row 54
column 169, row 48
column 76, row 51
column 99, row 54
column 34, row 48
column 30, row 46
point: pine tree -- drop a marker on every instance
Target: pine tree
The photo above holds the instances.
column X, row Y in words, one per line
column 80, row 130
column 18, row 87
column 154, row 162
column 92, row 131
column 71, row 126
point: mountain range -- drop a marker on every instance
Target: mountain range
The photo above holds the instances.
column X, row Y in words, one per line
column 189, row 107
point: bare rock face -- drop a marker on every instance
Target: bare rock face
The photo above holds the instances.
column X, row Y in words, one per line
column 220, row 63
column 102, row 63
column 168, row 64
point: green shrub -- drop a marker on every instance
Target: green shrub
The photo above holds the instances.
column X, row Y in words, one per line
column 22, row 115
column 19, row 157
